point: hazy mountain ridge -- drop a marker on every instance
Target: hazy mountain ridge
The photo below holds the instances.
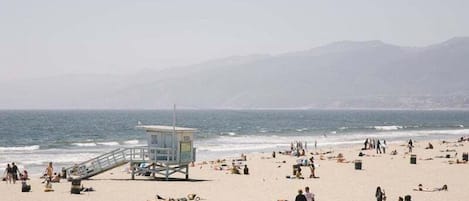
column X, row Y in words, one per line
column 346, row 74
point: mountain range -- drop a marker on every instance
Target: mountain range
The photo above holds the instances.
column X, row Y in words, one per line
column 341, row 75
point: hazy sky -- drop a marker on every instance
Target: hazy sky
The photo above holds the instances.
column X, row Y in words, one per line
column 47, row 37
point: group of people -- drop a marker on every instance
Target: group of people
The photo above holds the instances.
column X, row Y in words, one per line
column 310, row 163
column 298, row 148
column 12, row 174
column 379, row 145
column 306, row 196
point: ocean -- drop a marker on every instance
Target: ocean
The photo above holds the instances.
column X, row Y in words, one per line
column 32, row 138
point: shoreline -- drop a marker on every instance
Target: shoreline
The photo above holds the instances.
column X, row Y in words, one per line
column 267, row 179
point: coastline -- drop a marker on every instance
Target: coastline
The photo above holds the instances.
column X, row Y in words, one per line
column 267, row 179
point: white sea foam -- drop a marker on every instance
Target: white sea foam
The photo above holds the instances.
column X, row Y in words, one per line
column 265, row 142
column 87, row 144
column 131, row 142
column 228, row 133
column 21, row 148
column 108, row 143
column 388, row 128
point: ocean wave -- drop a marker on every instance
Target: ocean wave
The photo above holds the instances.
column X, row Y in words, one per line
column 86, row 144
column 228, row 133
column 388, row 128
column 22, row 148
column 244, row 147
column 113, row 143
column 130, row 142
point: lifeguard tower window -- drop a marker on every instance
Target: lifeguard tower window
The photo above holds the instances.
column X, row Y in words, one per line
column 154, row 139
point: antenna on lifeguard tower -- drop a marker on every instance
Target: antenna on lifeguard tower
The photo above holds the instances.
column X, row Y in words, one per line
column 174, row 118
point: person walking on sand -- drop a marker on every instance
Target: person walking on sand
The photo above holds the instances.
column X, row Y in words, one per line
column 300, row 196
column 8, row 173
column 14, row 172
column 309, row 196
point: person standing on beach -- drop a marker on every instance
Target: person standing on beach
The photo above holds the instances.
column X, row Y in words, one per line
column 384, row 146
column 8, row 173
column 14, row 172
column 49, row 171
column 410, row 145
column 379, row 194
column 378, row 146
column 312, row 167
column 300, row 196
column 309, row 196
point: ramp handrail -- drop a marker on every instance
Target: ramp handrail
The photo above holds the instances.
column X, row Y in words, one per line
column 119, row 157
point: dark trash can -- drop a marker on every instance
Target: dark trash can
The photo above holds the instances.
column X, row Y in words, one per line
column 407, row 198
column 76, row 186
column 465, row 156
column 358, row 164
column 413, row 159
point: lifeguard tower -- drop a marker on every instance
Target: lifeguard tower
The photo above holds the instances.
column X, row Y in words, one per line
column 169, row 150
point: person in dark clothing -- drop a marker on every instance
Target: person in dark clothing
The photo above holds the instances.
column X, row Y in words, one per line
column 300, row 196
column 14, row 171
column 246, row 169
column 379, row 194
column 378, row 146
column 410, row 145
column 8, row 172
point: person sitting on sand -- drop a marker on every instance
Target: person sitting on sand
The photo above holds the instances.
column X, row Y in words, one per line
column 234, row 169
column 24, row 176
column 55, row 178
column 421, row 188
column 246, row 170
column 298, row 173
column 300, row 196
column 461, row 162
column 394, row 152
column 430, row 146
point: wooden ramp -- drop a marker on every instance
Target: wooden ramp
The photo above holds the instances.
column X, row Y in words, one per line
column 162, row 164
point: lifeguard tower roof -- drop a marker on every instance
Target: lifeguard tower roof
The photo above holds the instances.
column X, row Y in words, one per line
column 158, row 128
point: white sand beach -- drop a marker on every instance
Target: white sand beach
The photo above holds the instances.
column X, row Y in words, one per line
column 267, row 179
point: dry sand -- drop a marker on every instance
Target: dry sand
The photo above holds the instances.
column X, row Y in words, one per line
column 267, row 180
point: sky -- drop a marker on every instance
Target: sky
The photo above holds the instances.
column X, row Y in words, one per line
column 55, row 37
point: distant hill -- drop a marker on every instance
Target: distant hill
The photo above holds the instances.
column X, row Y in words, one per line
column 347, row 74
